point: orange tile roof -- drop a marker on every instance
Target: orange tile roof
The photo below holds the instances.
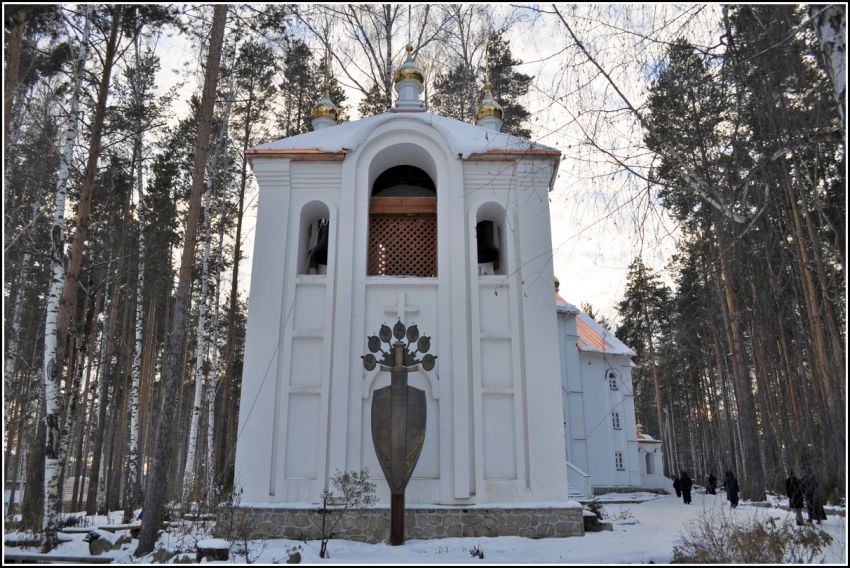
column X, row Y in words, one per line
column 589, row 336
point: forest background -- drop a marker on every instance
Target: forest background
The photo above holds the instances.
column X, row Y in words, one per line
column 699, row 212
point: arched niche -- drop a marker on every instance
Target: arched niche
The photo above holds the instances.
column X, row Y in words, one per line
column 402, row 213
column 314, row 236
column 490, row 240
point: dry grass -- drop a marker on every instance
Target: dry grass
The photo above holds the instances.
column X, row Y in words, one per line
column 719, row 538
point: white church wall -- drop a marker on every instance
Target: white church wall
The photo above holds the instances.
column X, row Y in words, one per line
column 538, row 332
column 254, row 463
column 603, row 440
column 493, row 398
column 571, row 393
column 399, row 143
column 286, row 322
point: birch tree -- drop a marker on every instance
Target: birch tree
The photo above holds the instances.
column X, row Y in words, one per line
column 213, row 381
column 52, row 365
column 200, row 343
column 142, row 78
column 831, row 27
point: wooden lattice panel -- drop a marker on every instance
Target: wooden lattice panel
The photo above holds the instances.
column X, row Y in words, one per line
column 403, row 245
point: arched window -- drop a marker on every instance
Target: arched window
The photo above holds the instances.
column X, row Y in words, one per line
column 403, row 224
column 313, row 239
column 490, row 240
column 613, row 380
column 650, row 464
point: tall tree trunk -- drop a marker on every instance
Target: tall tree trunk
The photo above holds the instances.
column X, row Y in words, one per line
column 74, row 390
column 148, row 369
column 212, row 387
column 200, row 350
column 32, row 505
column 131, row 497
column 54, row 335
column 213, row 378
column 753, row 479
column 105, row 376
column 88, row 402
column 18, row 462
column 230, row 344
column 18, row 301
column 156, row 482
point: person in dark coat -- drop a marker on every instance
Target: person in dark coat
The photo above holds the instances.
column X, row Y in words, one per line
column 712, row 484
column 794, row 490
column 813, row 497
column 677, row 485
column 731, row 486
column 685, row 485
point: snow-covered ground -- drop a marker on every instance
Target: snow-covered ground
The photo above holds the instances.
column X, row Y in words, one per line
column 643, row 532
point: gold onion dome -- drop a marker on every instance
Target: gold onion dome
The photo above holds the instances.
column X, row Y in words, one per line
column 325, row 108
column 408, row 69
column 489, row 107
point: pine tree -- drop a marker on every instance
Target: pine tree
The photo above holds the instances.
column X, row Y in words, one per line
column 154, row 496
column 509, row 86
column 298, row 88
column 373, row 103
column 456, row 96
column 644, row 316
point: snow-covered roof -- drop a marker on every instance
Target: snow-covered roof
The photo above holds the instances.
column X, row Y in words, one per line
column 465, row 140
column 592, row 337
column 564, row 306
column 647, row 439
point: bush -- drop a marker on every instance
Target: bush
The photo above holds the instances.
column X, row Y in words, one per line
column 595, row 507
column 719, row 538
column 355, row 490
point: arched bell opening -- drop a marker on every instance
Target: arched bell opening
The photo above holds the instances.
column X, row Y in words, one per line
column 314, row 239
column 490, row 240
column 403, row 223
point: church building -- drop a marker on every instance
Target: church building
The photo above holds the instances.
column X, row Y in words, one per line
column 413, row 217
column 606, row 450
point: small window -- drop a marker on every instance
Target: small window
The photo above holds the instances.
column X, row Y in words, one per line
column 615, row 419
column 613, row 383
column 618, row 461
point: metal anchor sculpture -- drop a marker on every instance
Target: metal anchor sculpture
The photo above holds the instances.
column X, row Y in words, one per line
column 398, row 412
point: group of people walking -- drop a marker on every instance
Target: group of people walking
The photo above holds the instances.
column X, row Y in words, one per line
column 683, row 485
column 801, row 493
column 806, row 493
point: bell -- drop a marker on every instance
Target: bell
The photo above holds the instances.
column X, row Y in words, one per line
column 318, row 255
column 488, row 245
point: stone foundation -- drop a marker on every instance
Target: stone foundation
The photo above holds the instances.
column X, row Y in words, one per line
column 600, row 490
column 373, row 525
